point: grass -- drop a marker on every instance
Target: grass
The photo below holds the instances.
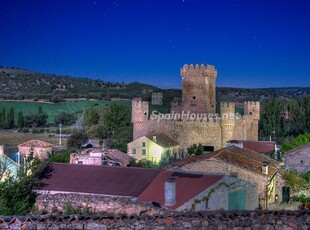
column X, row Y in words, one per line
column 52, row 109
column 11, row 138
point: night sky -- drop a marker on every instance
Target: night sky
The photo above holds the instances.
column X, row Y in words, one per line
column 251, row 43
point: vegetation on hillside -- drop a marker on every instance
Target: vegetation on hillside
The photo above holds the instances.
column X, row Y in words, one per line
column 20, row 84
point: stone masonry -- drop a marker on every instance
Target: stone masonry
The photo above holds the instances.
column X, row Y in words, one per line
column 194, row 120
column 233, row 220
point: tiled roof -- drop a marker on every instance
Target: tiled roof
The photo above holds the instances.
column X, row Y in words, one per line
column 188, row 185
column 300, row 148
column 259, row 146
column 105, row 180
column 35, row 143
column 163, row 139
column 241, row 157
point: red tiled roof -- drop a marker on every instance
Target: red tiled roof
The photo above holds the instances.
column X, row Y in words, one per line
column 297, row 149
column 105, row 180
column 36, row 143
column 241, row 157
column 259, row 146
column 188, row 185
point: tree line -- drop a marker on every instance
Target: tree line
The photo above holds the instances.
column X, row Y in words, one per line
column 282, row 120
column 7, row 119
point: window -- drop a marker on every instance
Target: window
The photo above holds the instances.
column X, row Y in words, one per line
column 301, row 161
column 80, row 162
column 143, row 151
column 133, row 151
column 143, row 144
column 207, row 149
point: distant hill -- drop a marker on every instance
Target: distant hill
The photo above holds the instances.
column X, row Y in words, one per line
column 20, row 84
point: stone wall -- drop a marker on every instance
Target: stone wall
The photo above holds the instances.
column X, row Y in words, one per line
column 299, row 160
column 55, row 203
column 255, row 220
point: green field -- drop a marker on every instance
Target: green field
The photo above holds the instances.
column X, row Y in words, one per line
column 53, row 109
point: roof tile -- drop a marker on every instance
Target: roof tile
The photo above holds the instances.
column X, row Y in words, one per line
column 97, row 179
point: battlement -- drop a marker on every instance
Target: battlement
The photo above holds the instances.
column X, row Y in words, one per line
column 198, row 70
column 227, row 105
column 138, row 103
column 252, row 108
column 252, row 103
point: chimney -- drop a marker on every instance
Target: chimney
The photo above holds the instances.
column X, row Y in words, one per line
column 265, row 167
column 170, row 191
column 154, row 139
column 1, row 150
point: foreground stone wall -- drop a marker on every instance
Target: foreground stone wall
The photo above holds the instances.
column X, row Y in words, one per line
column 55, row 203
column 255, row 220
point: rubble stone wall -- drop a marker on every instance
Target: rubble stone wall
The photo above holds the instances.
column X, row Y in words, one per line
column 236, row 220
column 56, row 203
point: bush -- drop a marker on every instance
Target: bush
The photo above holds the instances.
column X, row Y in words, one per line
column 77, row 138
column 23, row 130
column 60, row 157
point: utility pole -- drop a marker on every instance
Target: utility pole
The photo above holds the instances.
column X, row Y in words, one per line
column 60, row 125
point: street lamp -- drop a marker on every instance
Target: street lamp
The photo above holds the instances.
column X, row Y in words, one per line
column 60, row 125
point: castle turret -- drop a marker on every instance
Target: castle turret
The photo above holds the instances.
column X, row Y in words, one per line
column 198, row 88
column 227, row 121
column 252, row 108
column 139, row 117
column 251, row 116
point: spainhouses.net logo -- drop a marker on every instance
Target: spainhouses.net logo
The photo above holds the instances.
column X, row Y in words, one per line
column 188, row 116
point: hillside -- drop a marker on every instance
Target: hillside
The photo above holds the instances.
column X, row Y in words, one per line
column 19, row 84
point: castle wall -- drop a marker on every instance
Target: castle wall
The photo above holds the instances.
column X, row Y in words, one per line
column 188, row 133
column 198, row 97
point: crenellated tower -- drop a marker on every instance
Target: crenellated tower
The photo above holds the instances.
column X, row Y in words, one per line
column 251, row 116
column 252, row 108
column 139, row 117
column 198, row 88
column 227, row 121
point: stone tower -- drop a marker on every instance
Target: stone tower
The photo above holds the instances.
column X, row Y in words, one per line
column 139, row 117
column 227, row 121
column 252, row 108
column 252, row 116
column 198, row 88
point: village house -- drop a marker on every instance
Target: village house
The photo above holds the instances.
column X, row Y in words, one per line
column 174, row 190
column 244, row 164
column 8, row 167
column 179, row 190
column 39, row 149
column 153, row 147
column 298, row 159
column 97, row 156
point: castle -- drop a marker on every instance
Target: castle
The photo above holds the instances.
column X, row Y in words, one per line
column 194, row 120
